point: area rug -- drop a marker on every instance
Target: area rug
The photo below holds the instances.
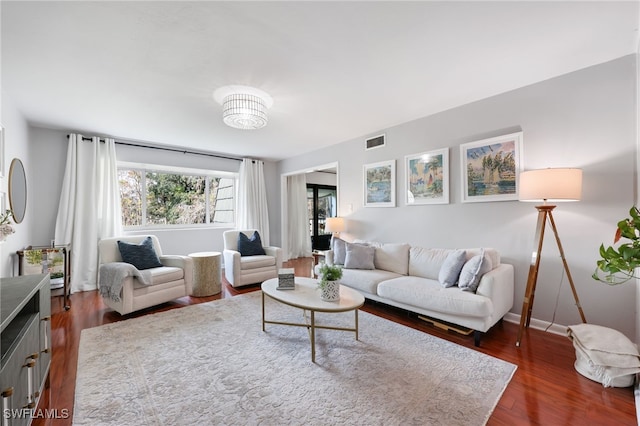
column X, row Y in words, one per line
column 211, row 364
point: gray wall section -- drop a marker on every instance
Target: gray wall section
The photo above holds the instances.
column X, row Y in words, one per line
column 585, row 119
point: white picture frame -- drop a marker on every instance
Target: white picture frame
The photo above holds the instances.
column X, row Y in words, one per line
column 379, row 184
column 490, row 168
column 427, row 177
column 2, row 159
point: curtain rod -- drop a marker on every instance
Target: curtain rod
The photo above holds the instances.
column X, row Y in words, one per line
column 183, row 151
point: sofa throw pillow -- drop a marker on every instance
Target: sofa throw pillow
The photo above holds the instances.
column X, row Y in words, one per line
column 142, row 256
column 339, row 251
column 250, row 246
column 359, row 257
column 450, row 269
column 472, row 272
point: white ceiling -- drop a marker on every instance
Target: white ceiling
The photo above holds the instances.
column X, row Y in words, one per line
column 336, row 71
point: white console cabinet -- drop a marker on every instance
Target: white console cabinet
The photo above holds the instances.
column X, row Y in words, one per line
column 25, row 346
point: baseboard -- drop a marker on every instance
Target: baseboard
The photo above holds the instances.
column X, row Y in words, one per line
column 538, row 324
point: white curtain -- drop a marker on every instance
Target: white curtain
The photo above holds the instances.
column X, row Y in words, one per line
column 298, row 235
column 252, row 199
column 89, row 206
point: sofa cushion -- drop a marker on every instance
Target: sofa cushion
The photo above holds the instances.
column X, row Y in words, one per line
column 392, row 257
column 364, row 280
column 255, row 262
column 142, row 256
column 429, row 294
column 162, row 275
column 339, row 247
column 472, row 272
column 450, row 270
column 427, row 262
column 359, row 257
column 250, row 246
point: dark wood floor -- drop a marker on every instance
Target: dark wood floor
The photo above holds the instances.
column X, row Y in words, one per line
column 545, row 390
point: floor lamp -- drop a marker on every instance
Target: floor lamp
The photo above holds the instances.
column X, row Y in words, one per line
column 546, row 185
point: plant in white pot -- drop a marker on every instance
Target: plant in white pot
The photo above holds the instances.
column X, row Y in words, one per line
column 329, row 285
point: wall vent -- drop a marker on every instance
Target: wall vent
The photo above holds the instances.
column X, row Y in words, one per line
column 375, row 142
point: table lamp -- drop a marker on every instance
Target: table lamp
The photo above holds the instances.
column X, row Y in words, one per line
column 547, row 185
column 335, row 225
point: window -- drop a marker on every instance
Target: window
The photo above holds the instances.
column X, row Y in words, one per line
column 157, row 196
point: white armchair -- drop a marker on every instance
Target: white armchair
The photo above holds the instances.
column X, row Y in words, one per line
column 170, row 281
column 243, row 270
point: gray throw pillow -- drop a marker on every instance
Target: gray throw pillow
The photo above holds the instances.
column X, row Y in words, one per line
column 472, row 272
column 339, row 251
column 250, row 246
column 450, row 269
column 359, row 257
column 142, row 256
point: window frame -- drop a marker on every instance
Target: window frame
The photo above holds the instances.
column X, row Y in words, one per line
column 158, row 168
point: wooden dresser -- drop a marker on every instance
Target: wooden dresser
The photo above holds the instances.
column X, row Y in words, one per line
column 25, row 346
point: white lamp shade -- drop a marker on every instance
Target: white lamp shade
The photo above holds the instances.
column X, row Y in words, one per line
column 551, row 185
column 334, row 224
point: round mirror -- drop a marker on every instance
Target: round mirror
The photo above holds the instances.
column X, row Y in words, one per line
column 17, row 190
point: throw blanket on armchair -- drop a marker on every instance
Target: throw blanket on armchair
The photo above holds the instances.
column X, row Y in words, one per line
column 609, row 353
column 113, row 274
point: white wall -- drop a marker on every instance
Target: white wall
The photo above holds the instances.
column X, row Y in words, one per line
column 16, row 146
column 584, row 119
column 321, row 178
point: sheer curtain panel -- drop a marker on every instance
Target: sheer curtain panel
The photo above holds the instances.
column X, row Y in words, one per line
column 252, row 199
column 89, row 207
column 298, row 234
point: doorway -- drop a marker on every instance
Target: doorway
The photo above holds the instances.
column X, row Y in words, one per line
column 325, row 174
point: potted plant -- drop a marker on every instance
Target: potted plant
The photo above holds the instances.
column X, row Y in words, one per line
column 619, row 266
column 329, row 285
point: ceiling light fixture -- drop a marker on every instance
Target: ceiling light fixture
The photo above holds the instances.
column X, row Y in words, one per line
column 243, row 107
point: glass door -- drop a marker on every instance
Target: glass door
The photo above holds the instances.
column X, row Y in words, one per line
column 322, row 202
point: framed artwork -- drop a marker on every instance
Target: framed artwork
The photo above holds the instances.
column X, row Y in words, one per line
column 490, row 168
column 427, row 177
column 380, row 184
column 2, row 160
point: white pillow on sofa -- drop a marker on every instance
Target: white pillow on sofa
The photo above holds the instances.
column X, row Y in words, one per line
column 472, row 272
column 359, row 257
column 339, row 250
column 450, row 269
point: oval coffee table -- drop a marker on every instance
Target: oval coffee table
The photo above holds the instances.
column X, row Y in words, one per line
column 305, row 296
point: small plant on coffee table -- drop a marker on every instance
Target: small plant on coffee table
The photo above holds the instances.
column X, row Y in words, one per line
column 329, row 273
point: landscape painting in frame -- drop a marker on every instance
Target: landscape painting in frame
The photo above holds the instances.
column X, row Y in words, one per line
column 490, row 168
column 427, row 177
column 380, row 184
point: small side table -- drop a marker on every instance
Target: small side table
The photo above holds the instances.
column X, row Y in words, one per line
column 318, row 256
column 207, row 278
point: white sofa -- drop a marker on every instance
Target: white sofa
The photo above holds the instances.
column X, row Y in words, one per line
column 407, row 277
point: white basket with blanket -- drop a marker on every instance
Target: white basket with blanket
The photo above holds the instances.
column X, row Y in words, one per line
column 604, row 355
